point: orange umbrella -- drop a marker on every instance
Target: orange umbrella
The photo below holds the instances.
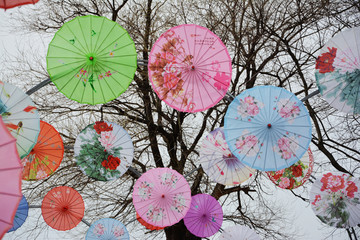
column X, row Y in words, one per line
column 147, row 225
column 62, row 208
column 46, row 155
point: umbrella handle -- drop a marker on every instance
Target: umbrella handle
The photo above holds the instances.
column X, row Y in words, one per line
column 34, row 206
column 195, row 169
column 310, row 95
column 37, row 87
column 86, row 222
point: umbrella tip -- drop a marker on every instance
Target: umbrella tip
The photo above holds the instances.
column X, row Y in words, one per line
column 192, row 67
column 91, row 58
column 269, row 125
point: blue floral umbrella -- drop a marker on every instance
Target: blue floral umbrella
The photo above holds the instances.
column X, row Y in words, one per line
column 337, row 71
column 267, row 128
column 20, row 215
column 107, row 229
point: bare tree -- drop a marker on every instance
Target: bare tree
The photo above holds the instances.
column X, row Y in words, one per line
column 270, row 41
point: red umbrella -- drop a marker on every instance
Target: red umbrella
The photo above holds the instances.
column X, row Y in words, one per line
column 62, row 208
column 10, row 178
column 147, row 225
column 14, row 3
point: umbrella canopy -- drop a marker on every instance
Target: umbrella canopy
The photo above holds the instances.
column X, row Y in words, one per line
column 46, row 155
column 335, row 199
column 20, row 215
column 161, row 197
column 62, row 208
column 20, row 117
column 147, row 225
column 6, row 4
column 205, row 216
column 103, row 151
column 219, row 163
column 189, row 68
column 91, row 59
column 239, row 232
column 337, row 71
column 10, row 178
column 296, row 175
column 267, row 128
column 107, row 229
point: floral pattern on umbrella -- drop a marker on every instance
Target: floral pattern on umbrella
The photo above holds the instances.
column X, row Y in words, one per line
column 335, row 199
column 104, row 151
column 20, row 117
column 46, row 155
column 107, row 228
column 219, row 163
column 161, row 197
column 338, row 71
column 267, row 128
column 294, row 176
column 190, row 68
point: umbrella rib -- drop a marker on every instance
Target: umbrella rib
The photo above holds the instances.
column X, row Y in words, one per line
column 103, row 49
column 100, row 64
column 205, row 73
column 201, row 47
column 82, row 33
column 213, row 56
column 115, row 50
column 66, row 49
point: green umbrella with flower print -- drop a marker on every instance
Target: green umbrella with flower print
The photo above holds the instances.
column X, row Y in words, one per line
column 91, row 59
column 104, row 151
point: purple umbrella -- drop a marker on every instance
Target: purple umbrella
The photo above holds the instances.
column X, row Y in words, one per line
column 205, row 216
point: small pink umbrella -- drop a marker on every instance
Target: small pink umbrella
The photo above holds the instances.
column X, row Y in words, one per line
column 189, row 68
column 161, row 197
column 205, row 216
column 10, row 178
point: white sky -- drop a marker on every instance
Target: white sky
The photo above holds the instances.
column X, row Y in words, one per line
column 307, row 224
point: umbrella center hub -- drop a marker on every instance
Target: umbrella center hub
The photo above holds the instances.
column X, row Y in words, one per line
column 65, row 208
column 91, row 58
column 162, row 195
column 192, row 67
column 269, row 125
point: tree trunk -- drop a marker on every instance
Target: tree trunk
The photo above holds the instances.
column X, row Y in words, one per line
column 179, row 232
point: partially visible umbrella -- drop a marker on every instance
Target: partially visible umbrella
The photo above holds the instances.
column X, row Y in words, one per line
column 147, row 225
column 20, row 215
column 161, row 197
column 335, row 199
column 338, row 71
column 239, row 232
column 190, row 68
column 10, row 178
column 267, row 128
column 62, row 208
column 20, row 117
column 296, row 175
column 6, row 4
column 219, row 163
column 104, row 151
column 205, row 216
column 91, row 59
column 46, row 155
column 107, row 229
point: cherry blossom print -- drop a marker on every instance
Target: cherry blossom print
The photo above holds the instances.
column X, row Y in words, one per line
column 145, row 190
column 249, row 107
column 247, row 144
column 99, row 229
column 169, row 179
column 155, row 214
column 288, row 109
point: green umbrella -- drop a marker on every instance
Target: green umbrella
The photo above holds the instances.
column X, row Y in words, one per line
column 91, row 59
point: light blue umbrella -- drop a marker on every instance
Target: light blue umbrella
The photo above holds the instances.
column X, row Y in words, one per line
column 107, row 229
column 20, row 215
column 267, row 128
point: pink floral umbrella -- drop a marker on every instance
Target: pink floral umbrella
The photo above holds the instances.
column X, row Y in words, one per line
column 294, row 176
column 219, row 163
column 205, row 216
column 239, row 232
column 189, row 68
column 335, row 199
column 162, row 197
column 10, row 178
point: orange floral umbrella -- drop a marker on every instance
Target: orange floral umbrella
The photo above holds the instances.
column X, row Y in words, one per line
column 46, row 155
column 147, row 225
column 62, row 208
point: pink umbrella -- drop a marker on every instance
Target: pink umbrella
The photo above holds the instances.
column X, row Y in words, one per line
column 189, row 68
column 205, row 216
column 10, row 178
column 161, row 197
